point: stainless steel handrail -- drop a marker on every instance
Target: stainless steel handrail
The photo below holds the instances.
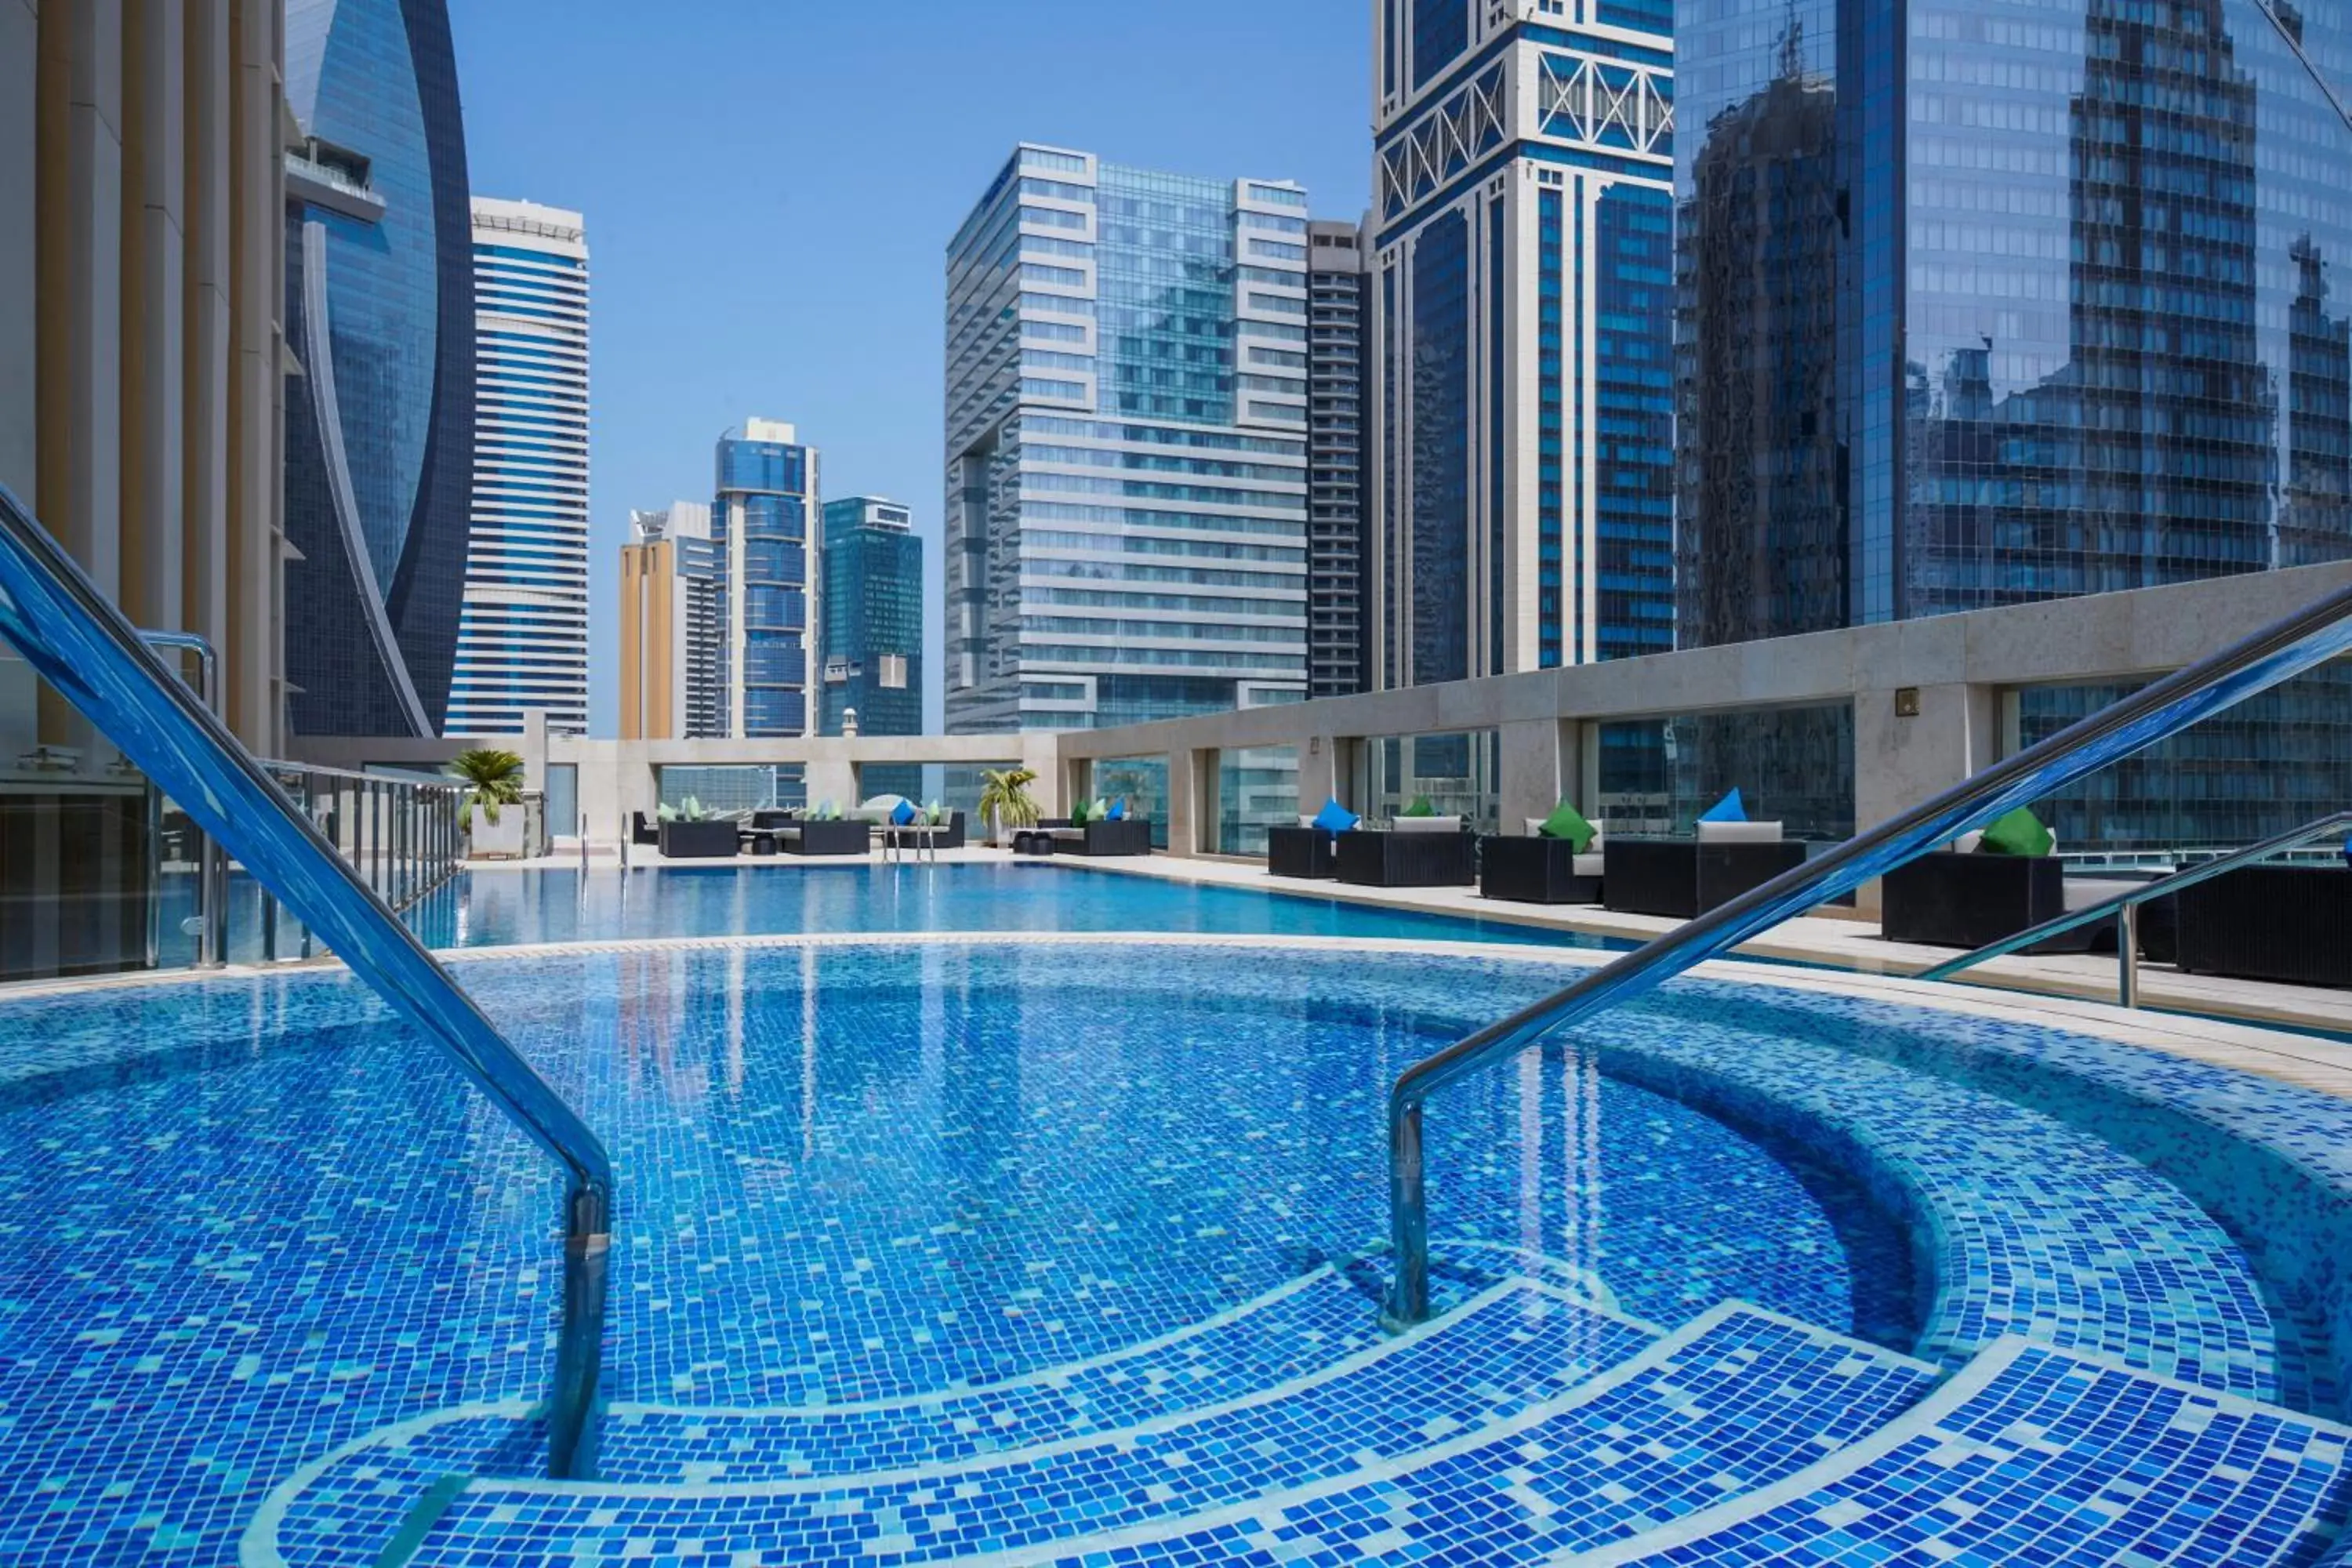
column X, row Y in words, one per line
column 85, row 649
column 211, row 866
column 2125, row 904
column 2312, row 635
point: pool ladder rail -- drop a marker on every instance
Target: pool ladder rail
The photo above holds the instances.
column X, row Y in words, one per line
column 2126, row 907
column 2311, row 636
column 83, row 648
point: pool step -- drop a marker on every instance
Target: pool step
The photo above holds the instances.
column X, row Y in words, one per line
column 1738, row 1399
column 1518, row 1344
column 2035, row 1454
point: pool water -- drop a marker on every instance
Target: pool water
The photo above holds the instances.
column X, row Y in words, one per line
column 245, row 1222
column 494, row 908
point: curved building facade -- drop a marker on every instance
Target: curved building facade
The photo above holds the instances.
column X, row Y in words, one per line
column 380, row 313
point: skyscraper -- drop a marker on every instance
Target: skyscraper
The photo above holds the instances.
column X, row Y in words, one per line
column 379, row 314
column 1523, row 470
column 760, row 525
column 523, row 636
column 1126, row 521
column 1982, row 303
column 872, row 610
column 1338, row 309
column 671, row 627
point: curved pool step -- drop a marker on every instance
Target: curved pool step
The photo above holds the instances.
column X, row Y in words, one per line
column 1738, row 1399
column 2114, row 1260
column 2033, row 1455
column 1518, row 1344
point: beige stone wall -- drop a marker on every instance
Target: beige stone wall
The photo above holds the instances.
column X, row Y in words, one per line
column 141, row 204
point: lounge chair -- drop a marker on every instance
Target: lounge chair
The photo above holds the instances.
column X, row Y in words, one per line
column 1684, row 878
column 642, row 832
column 1538, row 870
column 1412, row 852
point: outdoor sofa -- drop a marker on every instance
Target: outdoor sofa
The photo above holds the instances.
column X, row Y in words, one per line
column 948, row 835
column 2288, row 923
column 799, row 834
column 1054, row 836
column 1412, row 852
column 1302, row 851
column 1535, row 869
column 1968, row 898
column 707, row 841
column 1684, row 878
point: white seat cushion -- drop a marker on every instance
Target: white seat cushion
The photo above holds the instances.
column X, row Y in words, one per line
column 1587, row 864
column 1305, row 822
column 1740, row 833
column 1966, row 844
column 1429, row 825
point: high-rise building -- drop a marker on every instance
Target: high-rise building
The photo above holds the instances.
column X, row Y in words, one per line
column 1522, row 313
column 1980, row 303
column 1126, row 520
column 1339, row 309
column 523, row 636
column 761, row 524
column 380, row 313
column 872, row 612
column 671, row 605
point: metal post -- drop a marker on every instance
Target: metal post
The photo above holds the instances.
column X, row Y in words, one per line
column 583, row 849
column 625, row 844
column 2127, row 956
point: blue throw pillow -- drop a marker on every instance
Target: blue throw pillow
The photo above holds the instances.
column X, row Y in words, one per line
column 902, row 813
column 1118, row 809
column 1335, row 817
column 1730, row 809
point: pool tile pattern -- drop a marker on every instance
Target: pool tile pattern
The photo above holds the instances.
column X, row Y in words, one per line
column 2040, row 1455
column 1517, row 1345
column 268, row 1225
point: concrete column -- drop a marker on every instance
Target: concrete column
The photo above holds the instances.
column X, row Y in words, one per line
column 1041, row 753
column 1528, row 767
column 255, row 664
column 207, row 215
column 19, row 257
column 1317, row 772
column 1183, row 778
column 154, row 168
column 1900, row 761
column 79, row 233
column 832, row 779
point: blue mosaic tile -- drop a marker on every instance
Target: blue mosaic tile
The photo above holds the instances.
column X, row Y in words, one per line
column 2039, row 1456
column 1515, row 1347
column 245, row 1224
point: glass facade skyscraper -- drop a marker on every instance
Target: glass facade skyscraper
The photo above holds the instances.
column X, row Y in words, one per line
column 1339, row 312
column 522, row 638
column 1126, row 511
column 1521, row 305
column 872, row 608
column 379, row 314
column 760, row 532
column 1982, row 302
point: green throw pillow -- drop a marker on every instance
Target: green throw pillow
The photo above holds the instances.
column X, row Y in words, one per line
column 2018, row 832
column 1566, row 822
column 1077, row 814
column 1421, row 807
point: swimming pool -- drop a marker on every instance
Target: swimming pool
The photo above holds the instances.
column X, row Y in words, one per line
column 1058, row 1246
column 491, row 907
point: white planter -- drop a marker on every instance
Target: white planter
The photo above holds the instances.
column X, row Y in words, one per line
column 499, row 840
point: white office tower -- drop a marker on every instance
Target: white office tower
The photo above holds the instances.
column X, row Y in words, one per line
column 522, row 637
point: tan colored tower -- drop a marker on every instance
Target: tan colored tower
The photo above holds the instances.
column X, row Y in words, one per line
column 669, row 627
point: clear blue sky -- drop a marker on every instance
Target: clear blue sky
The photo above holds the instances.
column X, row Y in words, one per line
column 770, row 186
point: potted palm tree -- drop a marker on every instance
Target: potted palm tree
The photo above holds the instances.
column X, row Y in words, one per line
column 1004, row 800
column 493, row 779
